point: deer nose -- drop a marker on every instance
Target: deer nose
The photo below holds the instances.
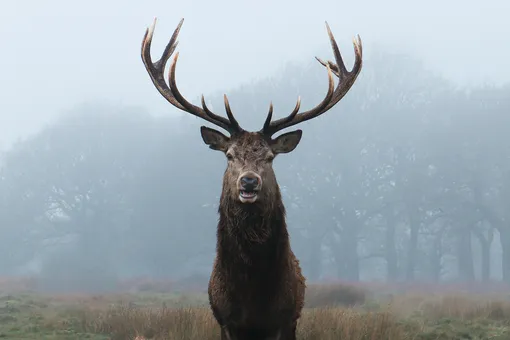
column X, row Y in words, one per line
column 249, row 183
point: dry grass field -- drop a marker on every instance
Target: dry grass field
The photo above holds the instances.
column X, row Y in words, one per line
column 334, row 311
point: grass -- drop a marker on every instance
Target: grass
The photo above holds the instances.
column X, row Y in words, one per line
column 333, row 311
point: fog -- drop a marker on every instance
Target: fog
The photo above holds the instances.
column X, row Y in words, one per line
column 405, row 179
column 59, row 53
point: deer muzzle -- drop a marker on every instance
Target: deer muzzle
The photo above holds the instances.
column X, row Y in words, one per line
column 249, row 184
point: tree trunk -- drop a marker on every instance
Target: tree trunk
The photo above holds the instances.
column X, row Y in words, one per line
column 391, row 252
column 314, row 259
column 465, row 255
column 350, row 255
column 437, row 255
column 412, row 249
column 485, row 245
column 504, row 233
column 346, row 253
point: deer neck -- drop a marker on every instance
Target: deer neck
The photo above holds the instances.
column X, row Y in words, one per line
column 253, row 234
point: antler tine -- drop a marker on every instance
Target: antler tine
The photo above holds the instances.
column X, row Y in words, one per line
column 342, row 70
column 345, row 81
column 229, row 112
column 156, row 69
column 289, row 118
column 345, row 77
column 333, row 66
column 209, row 112
column 295, row 118
column 195, row 110
column 170, row 92
column 269, row 117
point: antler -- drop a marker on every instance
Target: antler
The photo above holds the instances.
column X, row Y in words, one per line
column 171, row 93
column 345, row 81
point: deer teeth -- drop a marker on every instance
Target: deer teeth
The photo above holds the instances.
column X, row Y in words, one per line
column 247, row 194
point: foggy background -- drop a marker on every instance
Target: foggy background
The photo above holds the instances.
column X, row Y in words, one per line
column 407, row 178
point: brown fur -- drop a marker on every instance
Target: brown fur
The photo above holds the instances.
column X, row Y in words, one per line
column 256, row 290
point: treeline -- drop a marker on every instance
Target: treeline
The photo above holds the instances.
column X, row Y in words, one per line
column 408, row 178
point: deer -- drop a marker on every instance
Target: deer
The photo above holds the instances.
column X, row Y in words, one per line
column 256, row 288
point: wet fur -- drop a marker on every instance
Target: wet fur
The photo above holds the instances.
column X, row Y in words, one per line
column 256, row 290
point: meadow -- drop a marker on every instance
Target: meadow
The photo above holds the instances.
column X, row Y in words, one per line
column 148, row 309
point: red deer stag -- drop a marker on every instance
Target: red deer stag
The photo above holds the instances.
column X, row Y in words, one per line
column 256, row 289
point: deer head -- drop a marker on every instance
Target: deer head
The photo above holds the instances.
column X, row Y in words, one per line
column 249, row 176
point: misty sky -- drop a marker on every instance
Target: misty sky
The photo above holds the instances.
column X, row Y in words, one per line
column 56, row 54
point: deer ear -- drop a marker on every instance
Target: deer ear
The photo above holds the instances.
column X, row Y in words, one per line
column 215, row 139
column 287, row 142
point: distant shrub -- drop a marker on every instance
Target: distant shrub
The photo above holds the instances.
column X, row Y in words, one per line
column 190, row 284
column 17, row 284
column 154, row 286
column 63, row 273
column 330, row 295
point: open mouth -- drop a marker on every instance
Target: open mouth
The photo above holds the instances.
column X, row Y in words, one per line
column 248, row 196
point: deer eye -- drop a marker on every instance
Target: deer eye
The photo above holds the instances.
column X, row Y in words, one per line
column 230, row 156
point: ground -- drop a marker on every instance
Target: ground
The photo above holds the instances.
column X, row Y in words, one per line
column 334, row 311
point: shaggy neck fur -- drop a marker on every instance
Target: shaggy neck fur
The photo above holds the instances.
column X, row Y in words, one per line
column 252, row 235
